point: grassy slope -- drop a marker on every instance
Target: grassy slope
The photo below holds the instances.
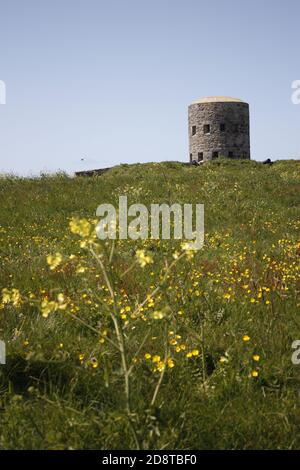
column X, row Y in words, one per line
column 244, row 282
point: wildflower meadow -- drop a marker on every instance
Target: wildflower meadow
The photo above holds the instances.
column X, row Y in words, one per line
column 147, row 344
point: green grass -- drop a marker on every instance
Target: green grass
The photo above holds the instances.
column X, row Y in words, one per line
column 245, row 281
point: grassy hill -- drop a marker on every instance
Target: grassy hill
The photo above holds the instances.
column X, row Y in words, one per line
column 111, row 347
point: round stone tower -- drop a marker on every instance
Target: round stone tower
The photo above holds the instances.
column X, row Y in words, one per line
column 219, row 127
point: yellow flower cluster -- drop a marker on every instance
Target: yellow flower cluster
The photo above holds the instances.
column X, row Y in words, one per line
column 143, row 258
column 54, row 260
column 48, row 307
column 81, row 227
column 158, row 315
column 159, row 365
column 193, row 353
column 12, row 296
column 186, row 247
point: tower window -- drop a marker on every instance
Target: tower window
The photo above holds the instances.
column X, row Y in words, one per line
column 222, row 127
column 230, row 155
column 215, row 155
column 191, row 157
column 206, row 129
column 200, row 156
column 194, row 130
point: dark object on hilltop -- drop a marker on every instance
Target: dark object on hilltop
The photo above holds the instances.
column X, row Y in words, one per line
column 92, row 172
column 268, row 162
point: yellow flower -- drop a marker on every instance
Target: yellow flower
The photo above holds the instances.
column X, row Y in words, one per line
column 94, row 363
column 143, row 258
column 156, row 359
column 157, row 315
column 11, row 296
column 52, row 306
column 246, row 338
column 80, row 270
column 81, row 357
column 15, row 297
column 195, row 352
column 170, row 363
column 226, row 296
column 160, row 366
column 80, row 227
column 256, row 357
column 223, row 359
column 48, row 307
column 6, row 296
column 62, row 304
column 147, row 356
column 54, row 260
column 254, row 373
column 187, row 248
column 103, row 336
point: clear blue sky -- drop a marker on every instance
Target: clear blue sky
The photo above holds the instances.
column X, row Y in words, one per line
column 110, row 80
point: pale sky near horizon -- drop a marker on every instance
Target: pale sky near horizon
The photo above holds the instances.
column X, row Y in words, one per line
column 109, row 82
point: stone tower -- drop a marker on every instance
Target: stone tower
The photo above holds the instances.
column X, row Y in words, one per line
column 219, row 127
